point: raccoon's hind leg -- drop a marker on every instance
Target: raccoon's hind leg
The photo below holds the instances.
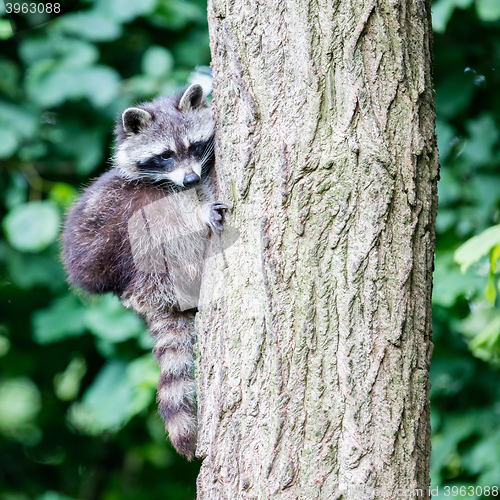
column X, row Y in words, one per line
column 174, row 334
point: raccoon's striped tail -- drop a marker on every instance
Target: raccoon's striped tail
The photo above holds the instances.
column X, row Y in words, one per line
column 174, row 334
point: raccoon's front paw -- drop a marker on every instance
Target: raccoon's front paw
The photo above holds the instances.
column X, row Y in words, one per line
column 216, row 216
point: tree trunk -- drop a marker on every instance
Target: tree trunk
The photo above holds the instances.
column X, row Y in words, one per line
column 314, row 331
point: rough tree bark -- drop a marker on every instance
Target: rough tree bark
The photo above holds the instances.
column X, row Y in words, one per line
column 314, row 334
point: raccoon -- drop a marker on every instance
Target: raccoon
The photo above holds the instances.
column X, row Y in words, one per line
column 141, row 229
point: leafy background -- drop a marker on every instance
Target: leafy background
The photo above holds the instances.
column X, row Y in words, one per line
column 77, row 382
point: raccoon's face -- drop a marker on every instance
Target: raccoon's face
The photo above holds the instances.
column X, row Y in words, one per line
column 169, row 139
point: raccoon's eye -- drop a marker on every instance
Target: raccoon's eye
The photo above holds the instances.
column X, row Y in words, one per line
column 167, row 155
column 197, row 148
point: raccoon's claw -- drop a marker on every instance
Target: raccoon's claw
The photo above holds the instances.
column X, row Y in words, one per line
column 218, row 205
column 216, row 217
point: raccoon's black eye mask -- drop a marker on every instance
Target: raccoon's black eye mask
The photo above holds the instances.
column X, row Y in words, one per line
column 198, row 148
column 163, row 162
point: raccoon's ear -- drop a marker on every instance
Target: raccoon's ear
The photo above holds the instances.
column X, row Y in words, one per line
column 192, row 98
column 135, row 119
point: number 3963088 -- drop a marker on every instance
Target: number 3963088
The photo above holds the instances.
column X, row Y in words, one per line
column 33, row 8
column 465, row 491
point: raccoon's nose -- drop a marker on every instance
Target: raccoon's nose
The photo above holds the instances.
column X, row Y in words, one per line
column 191, row 180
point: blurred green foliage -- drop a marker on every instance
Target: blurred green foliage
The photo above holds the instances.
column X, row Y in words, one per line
column 77, row 382
column 465, row 379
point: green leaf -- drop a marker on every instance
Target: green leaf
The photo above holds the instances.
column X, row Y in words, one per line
column 194, row 50
column 91, row 25
column 20, row 403
column 33, row 151
column 63, row 319
column 449, row 375
column 463, row 4
column 50, row 85
column 446, row 219
column 486, row 344
column 110, row 321
column 53, row 495
column 483, row 456
column 488, row 10
column 67, row 384
column 5, row 29
column 23, row 122
column 33, row 50
column 4, row 345
column 450, row 283
column 486, row 190
column 177, row 15
column 445, row 135
column 85, row 145
column 15, row 124
column 125, row 10
column 449, row 189
column 142, row 374
column 10, row 74
column 116, row 395
column 457, row 428
column 142, row 86
column 105, row 405
column 482, row 327
column 157, row 61
column 490, row 292
column 477, row 247
column 484, row 135
column 442, row 11
column 8, row 143
column 494, row 256
column 453, row 95
column 100, row 84
column 76, row 53
column 63, row 194
column 17, row 190
column 32, row 227
column 63, row 51
column 27, row 271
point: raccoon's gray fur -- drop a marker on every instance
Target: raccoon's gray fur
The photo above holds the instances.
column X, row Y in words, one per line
column 135, row 230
